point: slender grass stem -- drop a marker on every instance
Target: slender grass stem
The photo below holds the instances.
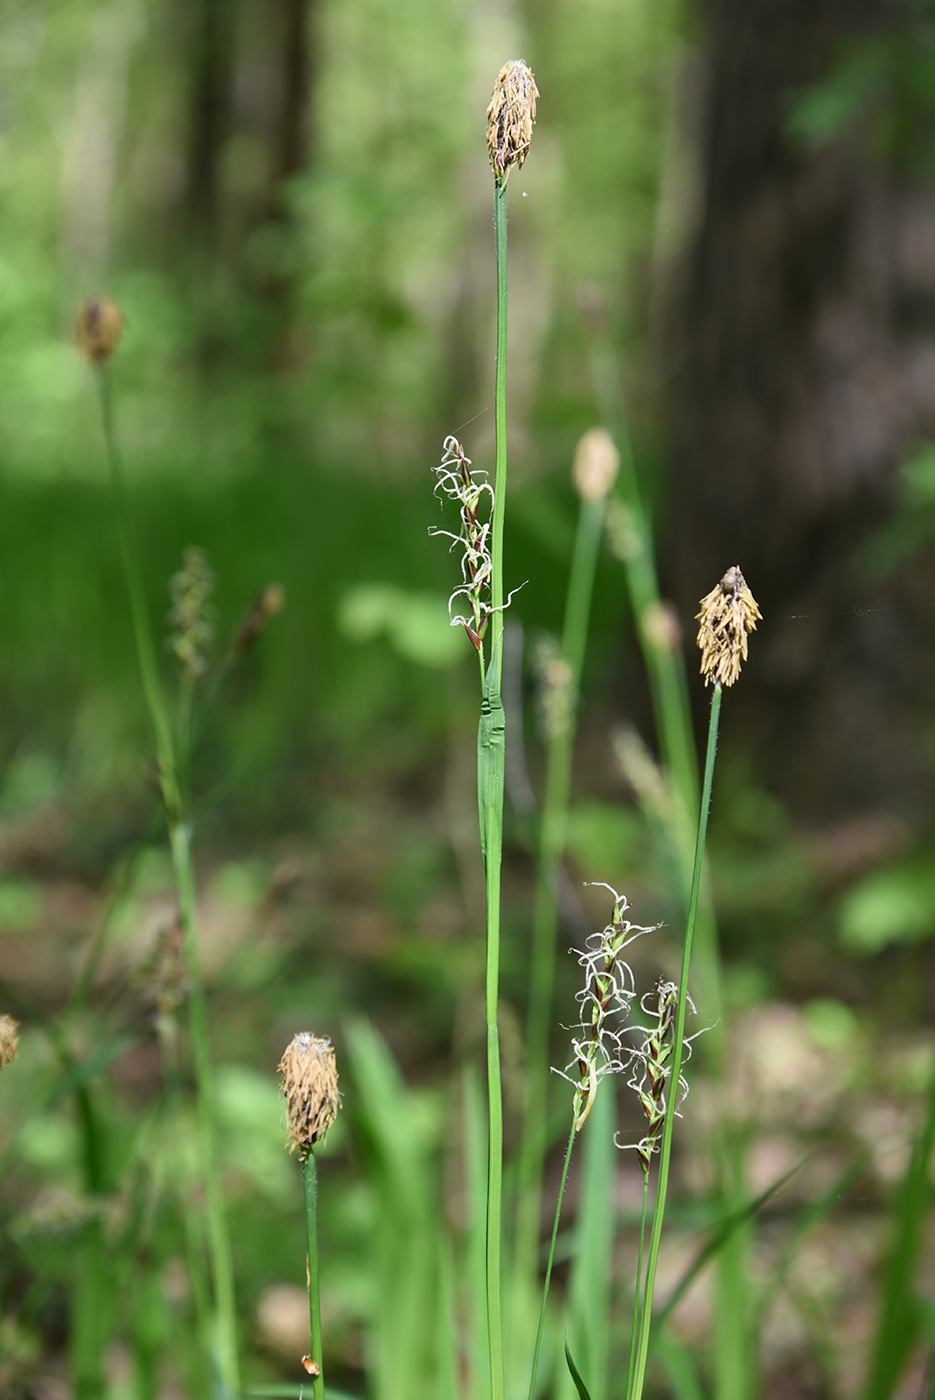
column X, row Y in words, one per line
column 638, row 1285
column 490, row 779
column 218, row 1236
column 499, row 508
column 145, row 649
column 310, row 1182
column 225, row 1321
column 636, row 1389
column 548, row 1266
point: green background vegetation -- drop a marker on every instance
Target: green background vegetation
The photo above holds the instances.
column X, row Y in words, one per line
column 296, row 349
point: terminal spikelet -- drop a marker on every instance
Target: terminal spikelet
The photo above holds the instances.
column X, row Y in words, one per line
column 728, row 615
column 511, row 117
column 9, row 1040
column 98, row 327
column 309, row 1080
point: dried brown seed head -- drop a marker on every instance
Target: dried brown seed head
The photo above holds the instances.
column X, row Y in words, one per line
column 597, row 462
column 268, row 602
column 728, row 614
column 98, row 328
column 511, row 117
column 309, row 1081
column 9, row 1040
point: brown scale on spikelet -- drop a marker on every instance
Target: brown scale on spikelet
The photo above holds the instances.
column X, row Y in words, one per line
column 98, row 328
column 309, row 1080
column 9, row 1040
column 511, row 117
column 728, row 614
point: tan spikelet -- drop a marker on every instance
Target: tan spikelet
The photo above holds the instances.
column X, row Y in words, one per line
column 309, row 1081
column 98, row 327
column 728, row 615
column 9, row 1040
column 511, row 117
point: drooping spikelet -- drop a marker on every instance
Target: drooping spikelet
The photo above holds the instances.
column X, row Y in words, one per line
column 728, row 614
column 9, row 1040
column 511, row 117
column 97, row 329
column 309, row 1080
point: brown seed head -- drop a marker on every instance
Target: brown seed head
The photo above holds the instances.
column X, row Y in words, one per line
column 98, row 328
column 309, row 1081
column 9, row 1040
column 510, row 118
column 597, row 462
column 728, row 614
column 268, row 602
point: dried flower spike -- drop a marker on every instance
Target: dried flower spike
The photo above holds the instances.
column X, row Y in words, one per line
column 510, row 118
column 597, row 462
column 9, row 1040
column 728, row 614
column 98, row 328
column 309, row 1080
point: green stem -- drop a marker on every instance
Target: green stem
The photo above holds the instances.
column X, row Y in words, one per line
column 225, row 1338
column 145, row 650
column 637, row 1290
column 167, row 1031
column 218, row 1236
column 310, row 1181
column 499, row 506
column 672, row 1090
column 490, row 796
column 548, row 1267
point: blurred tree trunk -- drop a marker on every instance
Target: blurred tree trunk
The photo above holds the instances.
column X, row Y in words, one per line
column 291, row 150
column 293, row 129
column 249, row 133
column 803, row 351
column 211, row 26
column 212, row 31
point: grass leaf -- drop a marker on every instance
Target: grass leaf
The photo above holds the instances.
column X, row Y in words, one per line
column 580, row 1386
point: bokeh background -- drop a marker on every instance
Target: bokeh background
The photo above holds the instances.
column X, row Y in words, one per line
column 291, row 202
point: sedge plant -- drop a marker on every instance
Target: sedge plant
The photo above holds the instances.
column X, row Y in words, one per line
column 728, row 614
column 98, row 330
column 510, row 119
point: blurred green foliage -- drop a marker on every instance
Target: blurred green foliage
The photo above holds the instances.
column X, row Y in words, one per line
column 282, row 394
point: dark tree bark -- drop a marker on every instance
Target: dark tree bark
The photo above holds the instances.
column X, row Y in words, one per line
column 213, row 26
column 804, row 349
column 293, row 137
